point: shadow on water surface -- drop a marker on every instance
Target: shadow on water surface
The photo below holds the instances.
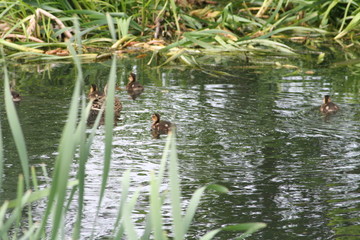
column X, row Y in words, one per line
column 258, row 132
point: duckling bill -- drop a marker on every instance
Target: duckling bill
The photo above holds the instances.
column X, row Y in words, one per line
column 328, row 106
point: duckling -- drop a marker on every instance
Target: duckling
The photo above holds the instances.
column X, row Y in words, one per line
column 99, row 99
column 328, row 106
column 160, row 127
column 133, row 87
column 15, row 96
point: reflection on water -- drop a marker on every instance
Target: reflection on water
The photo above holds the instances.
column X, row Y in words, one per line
column 258, row 133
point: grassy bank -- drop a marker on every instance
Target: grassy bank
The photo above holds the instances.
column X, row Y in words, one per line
column 39, row 29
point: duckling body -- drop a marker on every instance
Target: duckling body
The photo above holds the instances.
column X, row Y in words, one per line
column 98, row 102
column 133, row 87
column 15, row 96
column 328, row 106
column 160, row 127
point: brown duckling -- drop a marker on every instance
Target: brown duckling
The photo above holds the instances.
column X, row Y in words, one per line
column 328, row 106
column 160, row 127
column 99, row 99
column 133, row 87
column 15, row 96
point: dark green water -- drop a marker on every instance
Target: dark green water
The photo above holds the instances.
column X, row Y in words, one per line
column 258, row 132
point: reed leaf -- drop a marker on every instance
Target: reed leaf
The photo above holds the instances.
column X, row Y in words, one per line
column 111, row 26
column 84, row 150
column 1, row 157
column 174, row 11
column 293, row 28
column 195, row 201
column 345, row 15
column 325, row 17
column 175, row 192
column 40, row 194
column 29, row 233
column 155, row 208
column 15, row 215
column 173, row 57
column 16, row 129
column 63, row 160
column 210, row 235
column 109, row 124
column 268, row 43
column 128, row 223
column 125, row 184
column 3, row 210
column 354, row 24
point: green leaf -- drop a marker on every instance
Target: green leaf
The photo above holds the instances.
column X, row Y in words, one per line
column 175, row 191
column 354, row 24
column 16, row 129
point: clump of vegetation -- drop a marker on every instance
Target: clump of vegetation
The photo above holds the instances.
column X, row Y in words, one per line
column 42, row 27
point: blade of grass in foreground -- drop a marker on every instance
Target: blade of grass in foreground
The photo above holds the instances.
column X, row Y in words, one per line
column 109, row 125
column 66, row 151
column 1, row 157
column 125, row 184
column 84, row 150
column 175, row 192
column 16, row 130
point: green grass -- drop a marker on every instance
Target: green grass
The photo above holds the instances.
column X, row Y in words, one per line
column 236, row 27
column 63, row 188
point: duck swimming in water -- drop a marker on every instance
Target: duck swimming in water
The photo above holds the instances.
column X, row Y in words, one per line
column 328, row 106
column 15, row 96
column 98, row 102
column 160, row 127
column 133, row 87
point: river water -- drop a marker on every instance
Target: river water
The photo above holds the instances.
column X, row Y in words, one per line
column 257, row 130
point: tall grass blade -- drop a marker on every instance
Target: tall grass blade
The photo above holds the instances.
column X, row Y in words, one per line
column 3, row 210
column 109, row 125
column 1, row 157
column 19, row 47
column 29, row 233
column 78, row 36
column 84, row 150
column 66, row 152
column 325, row 17
column 128, row 223
column 273, row 15
column 173, row 57
column 210, row 235
column 64, row 160
column 175, row 192
column 37, row 195
column 7, row 9
column 14, row 217
column 16, row 129
column 174, row 10
column 20, row 192
column 345, row 15
column 155, row 208
column 155, row 199
column 354, row 24
column 119, row 227
column 110, row 23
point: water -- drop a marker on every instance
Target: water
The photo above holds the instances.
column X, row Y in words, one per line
column 258, row 132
